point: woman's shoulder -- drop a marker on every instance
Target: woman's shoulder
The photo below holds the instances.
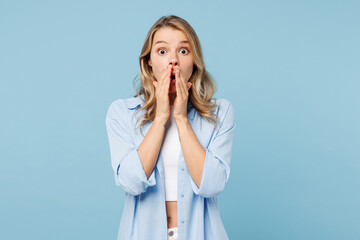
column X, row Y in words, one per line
column 222, row 104
column 127, row 103
column 124, row 106
column 224, row 109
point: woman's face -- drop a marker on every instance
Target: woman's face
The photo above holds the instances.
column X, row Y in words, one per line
column 170, row 46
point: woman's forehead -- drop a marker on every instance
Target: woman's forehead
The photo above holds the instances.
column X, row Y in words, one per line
column 169, row 35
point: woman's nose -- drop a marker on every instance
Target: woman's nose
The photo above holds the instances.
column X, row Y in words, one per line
column 174, row 62
column 173, row 59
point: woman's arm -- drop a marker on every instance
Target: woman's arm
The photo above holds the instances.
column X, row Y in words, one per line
column 149, row 148
column 193, row 152
column 128, row 169
column 209, row 167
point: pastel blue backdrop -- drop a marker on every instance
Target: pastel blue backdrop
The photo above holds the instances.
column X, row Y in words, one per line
column 290, row 68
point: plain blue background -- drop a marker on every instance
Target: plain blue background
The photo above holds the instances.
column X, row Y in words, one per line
column 290, row 68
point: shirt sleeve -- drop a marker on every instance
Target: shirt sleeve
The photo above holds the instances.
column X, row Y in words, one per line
column 216, row 169
column 128, row 169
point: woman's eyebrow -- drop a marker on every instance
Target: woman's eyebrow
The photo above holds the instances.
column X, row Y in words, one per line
column 158, row 42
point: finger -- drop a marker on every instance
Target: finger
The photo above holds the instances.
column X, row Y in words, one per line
column 163, row 88
column 163, row 73
column 183, row 90
column 165, row 83
column 179, row 84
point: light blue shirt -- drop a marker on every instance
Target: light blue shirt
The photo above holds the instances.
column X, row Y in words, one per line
column 144, row 214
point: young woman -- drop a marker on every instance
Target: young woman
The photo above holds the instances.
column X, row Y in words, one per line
column 171, row 143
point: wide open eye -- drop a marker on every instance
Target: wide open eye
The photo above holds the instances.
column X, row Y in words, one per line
column 184, row 51
column 161, row 51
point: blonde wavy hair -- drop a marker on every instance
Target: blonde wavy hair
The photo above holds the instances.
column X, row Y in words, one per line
column 202, row 88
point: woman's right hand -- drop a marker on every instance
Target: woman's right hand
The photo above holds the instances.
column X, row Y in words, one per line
column 162, row 95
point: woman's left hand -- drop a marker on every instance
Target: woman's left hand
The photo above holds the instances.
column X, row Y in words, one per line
column 182, row 95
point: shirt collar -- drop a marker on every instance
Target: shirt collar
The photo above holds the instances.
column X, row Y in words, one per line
column 138, row 101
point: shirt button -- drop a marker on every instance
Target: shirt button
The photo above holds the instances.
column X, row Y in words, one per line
column 182, row 195
column 182, row 169
column 182, row 221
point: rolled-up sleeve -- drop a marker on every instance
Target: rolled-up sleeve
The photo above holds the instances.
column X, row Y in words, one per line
column 216, row 169
column 128, row 169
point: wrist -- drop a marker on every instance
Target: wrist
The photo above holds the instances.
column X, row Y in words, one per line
column 160, row 121
column 181, row 120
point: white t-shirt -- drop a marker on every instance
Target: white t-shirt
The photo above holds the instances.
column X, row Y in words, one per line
column 170, row 151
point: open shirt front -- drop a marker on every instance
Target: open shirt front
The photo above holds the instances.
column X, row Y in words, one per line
column 144, row 212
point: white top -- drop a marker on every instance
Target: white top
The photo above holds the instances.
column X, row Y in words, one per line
column 170, row 151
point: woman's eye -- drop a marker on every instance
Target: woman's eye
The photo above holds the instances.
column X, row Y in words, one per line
column 161, row 51
column 184, row 51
